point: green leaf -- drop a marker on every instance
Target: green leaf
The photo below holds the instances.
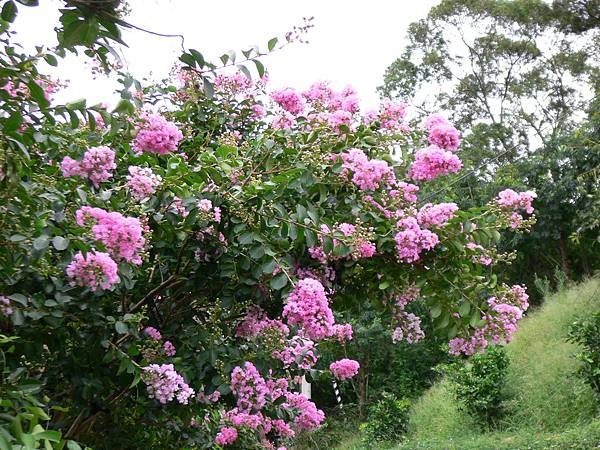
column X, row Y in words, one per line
column 279, row 281
column 121, row 327
column 4, row 445
column 271, row 44
column 13, row 122
column 60, row 243
column 435, row 311
column 41, row 243
column 9, row 11
column 51, row 59
column 197, row 57
column 464, row 309
column 260, row 68
column 72, row 445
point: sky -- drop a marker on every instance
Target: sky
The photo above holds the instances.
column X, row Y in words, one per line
column 352, row 41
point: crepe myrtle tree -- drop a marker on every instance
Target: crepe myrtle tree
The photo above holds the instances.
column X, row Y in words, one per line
column 168, row 273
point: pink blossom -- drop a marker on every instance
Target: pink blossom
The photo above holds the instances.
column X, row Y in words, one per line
column 409, row 328
column 226, row 436
column 516, row 200
column 142, row 182
column 283, row 121
column 232, row 83
column 413, row 240
column 249, row 387
column 289, row 100
column 432, row 161
column 367, row 173
column 164, row 384
column 298, row 351
column 344, row 368
column 434, row 120
column 155, row 134
column 122, row 236
column 97, row 165
column 444, row 136
column 153, row 333
column 96, row 270
column 342, row 332
column 5, row 308
column 431, row 215
column 169, row 348
column 308, row 307
column 257, row 323
column 309, row 417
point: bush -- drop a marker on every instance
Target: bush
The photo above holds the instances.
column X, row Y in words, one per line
column 388, row 420
column 586, row 333
column 479, row 384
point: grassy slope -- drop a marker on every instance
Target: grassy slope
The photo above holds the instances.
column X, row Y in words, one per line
column 546, row 400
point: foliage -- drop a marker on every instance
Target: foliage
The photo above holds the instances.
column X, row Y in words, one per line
column 387, row 421
column 171, row 267
column 479, row 384
column 585, row 332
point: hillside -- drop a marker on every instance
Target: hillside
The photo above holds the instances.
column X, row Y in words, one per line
column 548, row 407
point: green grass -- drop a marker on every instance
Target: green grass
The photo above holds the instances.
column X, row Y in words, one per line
column 545, row 398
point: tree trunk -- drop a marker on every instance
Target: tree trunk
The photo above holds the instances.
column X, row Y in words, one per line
column 564, row 262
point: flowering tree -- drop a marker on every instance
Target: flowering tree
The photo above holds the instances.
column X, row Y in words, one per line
column 171, row 272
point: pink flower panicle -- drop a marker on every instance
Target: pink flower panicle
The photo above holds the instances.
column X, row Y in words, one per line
column 342, row 332
column 122, row 236
column 157, row 135
column 344, row 368
column 142, row 182
column 297, row 351
column 164, row 384
column 431, row 215
column 367, row 173
column 309, row 417
column 510, row 199
column 412, row 240
column 290, row 100
column 431, row 162
column 308, row 307
column 153, row 333
column 97, row 165
column 409, row 328
column 95, row 270
column 5, row 308
column 257, row 323
column 169, row 348
column 226, row 436
column 249, row 387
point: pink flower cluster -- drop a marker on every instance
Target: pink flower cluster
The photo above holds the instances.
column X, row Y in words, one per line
column 510, row 199
column 227, row 436
column 412, row 240
column 164, row 384
column 342, row 332
column 256, row 323
column 362, row 247
column 153, row 333
column 234, row 83
column 290, row 100
column 431, row 215
column 409, row 328
column 122, row 236
column 479, row 258
column 249, row 387
column 97, row 165
column 297, row 351
column 391, row 115
column 308, row 307
column 95, row 270
column 155, row 134
column 442, row 133
column 344, row 368
column 500, row 323
column 208, row 212
column 367, row 173
column 5, row 308
column 309, row 417
column 322, row 97
column 142, row 182
column 431, row 162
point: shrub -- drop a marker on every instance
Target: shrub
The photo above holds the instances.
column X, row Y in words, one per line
column 479, row 384
column 586, row 333
column 388, row 420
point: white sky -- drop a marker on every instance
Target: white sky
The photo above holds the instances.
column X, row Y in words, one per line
column 352, row 42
